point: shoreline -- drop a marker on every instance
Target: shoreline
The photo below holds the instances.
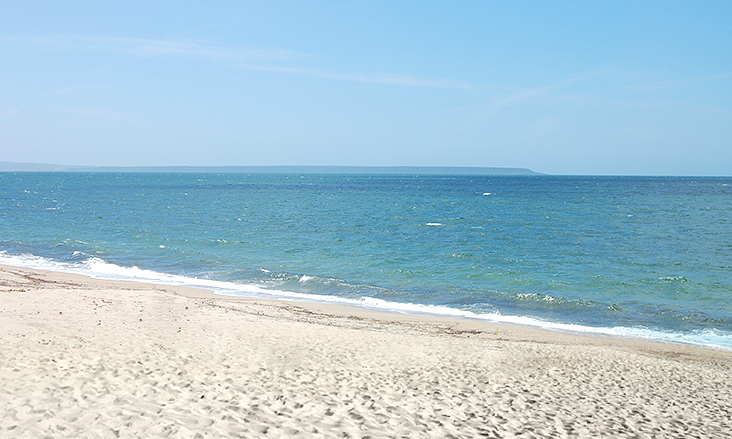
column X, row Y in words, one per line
column 346, row 309
column 298, row 309
column 85, row 357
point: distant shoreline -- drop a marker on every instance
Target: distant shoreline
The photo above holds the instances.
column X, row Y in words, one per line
column 395, row 170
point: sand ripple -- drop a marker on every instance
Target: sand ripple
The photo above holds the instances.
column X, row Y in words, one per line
column 83, row 358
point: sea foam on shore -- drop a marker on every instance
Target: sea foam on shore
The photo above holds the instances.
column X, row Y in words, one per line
column 95, row 267
column 83, row 357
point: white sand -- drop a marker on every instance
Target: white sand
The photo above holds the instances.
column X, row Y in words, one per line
column 81, row 357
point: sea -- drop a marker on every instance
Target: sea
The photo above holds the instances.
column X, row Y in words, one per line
column 637, row 257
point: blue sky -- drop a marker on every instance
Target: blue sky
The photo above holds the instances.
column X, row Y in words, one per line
column 558, row 87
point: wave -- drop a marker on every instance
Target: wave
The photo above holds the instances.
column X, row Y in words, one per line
column 100, row 269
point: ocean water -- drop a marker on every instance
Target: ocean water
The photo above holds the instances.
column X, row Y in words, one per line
column 647, row 257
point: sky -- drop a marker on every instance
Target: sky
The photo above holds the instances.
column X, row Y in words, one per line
column 582, row 88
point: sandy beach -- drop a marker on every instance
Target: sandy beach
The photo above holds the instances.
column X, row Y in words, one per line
column 82, row 357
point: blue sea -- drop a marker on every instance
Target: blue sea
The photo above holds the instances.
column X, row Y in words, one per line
column 642, row 257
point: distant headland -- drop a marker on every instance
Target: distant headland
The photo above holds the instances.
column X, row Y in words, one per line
column 414, row 170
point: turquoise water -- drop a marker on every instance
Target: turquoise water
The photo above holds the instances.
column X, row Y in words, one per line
column 636, row 256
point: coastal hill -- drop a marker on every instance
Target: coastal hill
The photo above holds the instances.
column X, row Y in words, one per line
column 412, row 170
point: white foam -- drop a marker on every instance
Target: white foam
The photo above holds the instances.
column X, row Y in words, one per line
column 434, row 224
column 98, row 268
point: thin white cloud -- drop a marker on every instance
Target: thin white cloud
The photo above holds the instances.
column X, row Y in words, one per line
column 251, row 59
column 14, row 112
column 393, row 79
column 652, row 86
column 77, row 89
column 99, row 113
column 525, row 95
column 149, row 47
column 531, row 93
column 550, row 93
column 371, row 78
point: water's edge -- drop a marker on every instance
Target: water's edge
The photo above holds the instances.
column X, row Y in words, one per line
column 99, row 269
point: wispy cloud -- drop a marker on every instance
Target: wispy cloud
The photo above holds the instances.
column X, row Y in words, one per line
column 99, row 113
column 77, row 89
column 370, row 78
column 532, row 93
column 652, row 86
column 524, row 95
column 150, row 47
column 249, row 59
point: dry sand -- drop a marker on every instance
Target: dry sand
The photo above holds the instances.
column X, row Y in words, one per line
column 81, row 357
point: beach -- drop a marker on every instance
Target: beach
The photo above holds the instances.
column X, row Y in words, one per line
column 83, row 357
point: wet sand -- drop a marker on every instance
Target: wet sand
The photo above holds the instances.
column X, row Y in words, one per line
column 82, row 357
